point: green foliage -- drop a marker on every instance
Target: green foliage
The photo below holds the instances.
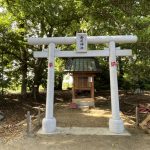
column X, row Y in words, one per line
column 102, row 80
column 47, row 18
column 58, row 80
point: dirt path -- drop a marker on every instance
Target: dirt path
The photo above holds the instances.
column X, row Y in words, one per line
column 91, row 118
column 14, row 138
column 70, row 142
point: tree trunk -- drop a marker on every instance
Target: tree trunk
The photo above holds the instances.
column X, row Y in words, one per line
column 24, row 80
column 38, row 74
column 24, row 74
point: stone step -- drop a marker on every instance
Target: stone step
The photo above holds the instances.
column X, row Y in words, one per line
column 84, row 101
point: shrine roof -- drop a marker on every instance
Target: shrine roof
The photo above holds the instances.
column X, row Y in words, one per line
column 82, row 64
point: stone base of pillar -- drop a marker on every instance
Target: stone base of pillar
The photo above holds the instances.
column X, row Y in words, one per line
column 48, row 125
column 116, row 126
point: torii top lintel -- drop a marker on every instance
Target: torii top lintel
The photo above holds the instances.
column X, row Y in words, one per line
column 90, row 40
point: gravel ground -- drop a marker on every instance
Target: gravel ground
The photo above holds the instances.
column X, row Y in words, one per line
column 72, row 142
column 12, row 136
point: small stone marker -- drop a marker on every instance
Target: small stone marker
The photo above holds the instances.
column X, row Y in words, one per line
column 29, row 126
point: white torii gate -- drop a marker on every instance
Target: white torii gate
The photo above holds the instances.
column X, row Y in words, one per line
column 81, row 40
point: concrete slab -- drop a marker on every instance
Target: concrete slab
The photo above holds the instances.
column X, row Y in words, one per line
column 83, row 131
column 84, row 102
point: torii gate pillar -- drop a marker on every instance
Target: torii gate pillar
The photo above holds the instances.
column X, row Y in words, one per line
column 49, row 122
column 115, row 123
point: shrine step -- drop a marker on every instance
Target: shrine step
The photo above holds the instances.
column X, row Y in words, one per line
column 84, row 102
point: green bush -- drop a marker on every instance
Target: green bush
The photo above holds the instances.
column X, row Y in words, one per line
column 147, row 86
column 58, row 80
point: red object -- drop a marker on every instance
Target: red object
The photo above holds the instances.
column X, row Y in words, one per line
column 73, row 105
column 50, row 65
column 144, row 110
column 113, row 63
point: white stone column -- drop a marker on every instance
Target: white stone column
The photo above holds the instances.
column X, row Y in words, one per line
column 115, row 123
column 49, row 122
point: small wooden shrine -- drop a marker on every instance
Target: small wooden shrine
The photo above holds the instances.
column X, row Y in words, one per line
column 83, row 71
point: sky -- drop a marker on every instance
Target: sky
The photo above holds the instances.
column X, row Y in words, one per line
column 1, row 9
